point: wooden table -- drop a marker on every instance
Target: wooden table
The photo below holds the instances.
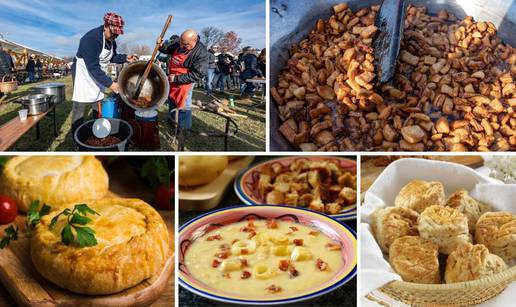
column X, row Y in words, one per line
column 125, row 183
column 372, row 168
column 14, row 129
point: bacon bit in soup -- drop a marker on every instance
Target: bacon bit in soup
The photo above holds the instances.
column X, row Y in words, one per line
column 251, row 224
column 214, row 237
column 244, row 251
column 245, row 275
column 247, row 229
column 292, row 272
column 284, row 264
column 215, row 263
column 243, row 263
column 235, row 240
column 224, row 254
column 314, row 233
column 298, row 242
column 273, row 289
column 224, row 246
column 251, row 235
column 321, row 265
column 271, row 223
column 333, row 246
column 294, row 228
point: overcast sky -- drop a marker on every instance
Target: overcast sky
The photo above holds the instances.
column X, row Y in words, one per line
column 55, row 26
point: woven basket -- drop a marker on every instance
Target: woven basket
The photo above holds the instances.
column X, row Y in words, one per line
column 7, row 87
column 457, row 294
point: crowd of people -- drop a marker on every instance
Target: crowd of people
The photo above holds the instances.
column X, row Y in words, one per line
column 229, row 72
column 36, row 70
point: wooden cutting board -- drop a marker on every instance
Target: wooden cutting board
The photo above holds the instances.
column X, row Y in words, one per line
column 208, row 196
column 372, row 168
column 28, row 288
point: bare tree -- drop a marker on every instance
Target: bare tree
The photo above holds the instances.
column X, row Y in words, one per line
column 140, row 50
column 231, row 42
column 211, row 36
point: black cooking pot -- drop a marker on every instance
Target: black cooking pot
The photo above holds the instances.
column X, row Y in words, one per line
column 119, row 128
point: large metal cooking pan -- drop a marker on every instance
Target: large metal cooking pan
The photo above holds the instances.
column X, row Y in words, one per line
column 292, row 20
column 156, row 87
column 56, row 89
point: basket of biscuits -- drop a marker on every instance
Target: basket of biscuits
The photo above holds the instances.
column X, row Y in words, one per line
column 440, row 235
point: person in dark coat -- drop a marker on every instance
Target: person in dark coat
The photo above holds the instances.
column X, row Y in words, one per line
column 188, row 65
column 6, row 65
column 212, row 66
column 250, row 63
column 31, row 67
column 223, row 64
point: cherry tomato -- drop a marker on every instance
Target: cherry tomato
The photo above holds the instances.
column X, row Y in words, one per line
column 8, row 210
column 164, row 197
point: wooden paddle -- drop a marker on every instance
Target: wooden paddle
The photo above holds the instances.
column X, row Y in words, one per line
column 143, row 78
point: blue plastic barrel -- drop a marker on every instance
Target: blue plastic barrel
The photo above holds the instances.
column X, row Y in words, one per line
column 110, row 108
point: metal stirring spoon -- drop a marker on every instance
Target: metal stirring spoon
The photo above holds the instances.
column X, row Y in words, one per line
column 390, row 22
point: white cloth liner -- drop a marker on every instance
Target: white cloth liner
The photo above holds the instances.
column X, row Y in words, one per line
column 375, row 270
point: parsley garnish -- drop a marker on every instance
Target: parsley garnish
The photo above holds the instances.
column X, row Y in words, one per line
column 75, row 220
column 34, row 216
column 10, row 234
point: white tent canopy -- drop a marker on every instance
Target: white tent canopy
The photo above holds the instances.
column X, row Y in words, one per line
column 21, row 49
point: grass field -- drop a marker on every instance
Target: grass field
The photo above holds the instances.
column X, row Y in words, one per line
column 251, row 135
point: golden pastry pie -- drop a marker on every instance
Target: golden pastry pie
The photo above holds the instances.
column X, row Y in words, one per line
column 133, row 245
column 54, row 180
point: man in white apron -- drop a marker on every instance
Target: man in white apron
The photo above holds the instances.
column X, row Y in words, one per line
column 97, row 49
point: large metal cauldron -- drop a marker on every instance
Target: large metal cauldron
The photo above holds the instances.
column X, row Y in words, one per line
column 56, row 89
column 156, row 87
column 292, row 20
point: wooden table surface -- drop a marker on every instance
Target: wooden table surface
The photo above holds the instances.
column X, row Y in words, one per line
column 372, row 167
column 14, row 129
column 125, row 183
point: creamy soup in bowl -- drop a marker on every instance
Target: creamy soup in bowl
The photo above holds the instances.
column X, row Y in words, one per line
column 265, row 254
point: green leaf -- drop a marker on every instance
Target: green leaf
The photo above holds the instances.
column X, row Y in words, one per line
column 44, row 210
column 86, row 236
column 84, row 209
column 79, row 219
column 3, row 160
column 53, row 222
column 10, row 234
column 67, row 235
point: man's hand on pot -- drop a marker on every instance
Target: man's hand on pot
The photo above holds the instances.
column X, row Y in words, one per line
column 115, row 87
column 171, row 78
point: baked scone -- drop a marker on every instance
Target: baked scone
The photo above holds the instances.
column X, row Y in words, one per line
column 445, row 226
column 133, row 245
column 54, row 180
column 199, row 170
column 497, row 231
column 469, row 206
column 419, row 194
column 391, row 223
column 415, row 259
column 470, row 262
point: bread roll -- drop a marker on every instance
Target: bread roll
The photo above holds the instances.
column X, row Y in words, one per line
column 391, row 223
column 470, row 262
column 415, row 259
column 468, row 206
column 497, row 231
column 199, row 170
column 419, row 194
column 445, row 226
